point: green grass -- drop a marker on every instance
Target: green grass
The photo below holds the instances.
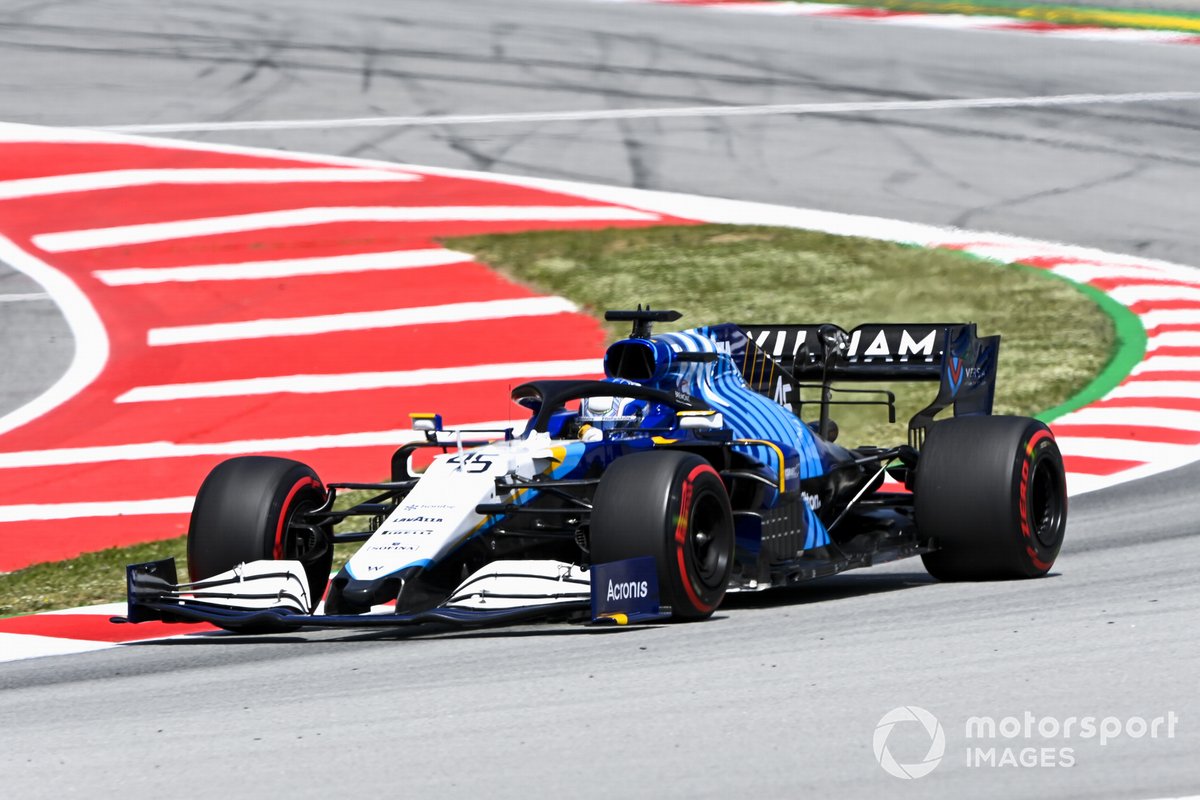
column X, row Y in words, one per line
column 91, row 578
column 1055, row 338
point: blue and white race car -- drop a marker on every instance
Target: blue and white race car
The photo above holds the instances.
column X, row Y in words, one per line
column 690, row 471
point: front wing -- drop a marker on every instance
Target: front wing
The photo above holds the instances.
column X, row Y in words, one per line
column 271, row 596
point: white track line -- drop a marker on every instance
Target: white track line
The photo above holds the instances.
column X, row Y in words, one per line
column 17, row 646
column 37, row 134
column 358, row 381
column 127, row 178
column 1102, row 34
column 142, row 451
column 360, row 320
column 285, row 268
column 27, row 297
column 115, row 508
column 590, row 115
column 87, row 332
column 68, row 241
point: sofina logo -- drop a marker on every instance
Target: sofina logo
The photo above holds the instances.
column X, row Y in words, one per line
column 932, row 730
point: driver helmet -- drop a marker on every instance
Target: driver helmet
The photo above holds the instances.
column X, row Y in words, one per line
column 599, row 414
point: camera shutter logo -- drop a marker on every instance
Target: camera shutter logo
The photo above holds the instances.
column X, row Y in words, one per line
column 933, row 728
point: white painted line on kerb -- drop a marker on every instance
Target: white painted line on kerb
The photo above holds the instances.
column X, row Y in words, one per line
column 284, row 268
column 1173, row 339
column 126, row 178
column 1179, row 316
column 18, row 646
column 117, row 508
column 1131, row 417
column 1150, row 292
column 589, row 115
column 1168, row 363
column 87, row 331
column 1084, row 273
column 358, row 381
column 28, row 297
column 1155, row 389
column 142, row 451
column 1127, row 449
column 68, row 241
column 118, row 609
column 359, row 321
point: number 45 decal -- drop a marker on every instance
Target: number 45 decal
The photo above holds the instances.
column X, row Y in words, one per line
column 473, row 462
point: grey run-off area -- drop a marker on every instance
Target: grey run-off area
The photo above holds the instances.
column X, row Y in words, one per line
column 781, row 694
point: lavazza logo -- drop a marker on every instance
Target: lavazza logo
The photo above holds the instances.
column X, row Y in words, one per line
column 1026, row 741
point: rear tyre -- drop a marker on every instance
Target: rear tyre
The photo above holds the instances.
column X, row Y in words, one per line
column 245, row 511
column 672, row 506
column 991, row 492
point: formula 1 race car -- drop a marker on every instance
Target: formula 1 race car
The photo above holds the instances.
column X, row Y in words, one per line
column 688, row 472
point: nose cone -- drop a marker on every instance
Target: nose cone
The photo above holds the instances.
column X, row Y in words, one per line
column 349, row 595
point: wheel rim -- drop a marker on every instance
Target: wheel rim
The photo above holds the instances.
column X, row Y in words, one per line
column 302, row 542
column 1045, row 503
column 708, row 552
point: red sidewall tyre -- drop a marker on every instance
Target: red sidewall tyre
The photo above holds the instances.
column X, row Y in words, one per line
column 242, row 513
column 991, row 492
column 673, row 506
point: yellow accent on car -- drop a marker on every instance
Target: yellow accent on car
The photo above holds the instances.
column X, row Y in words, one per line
column 778, row 452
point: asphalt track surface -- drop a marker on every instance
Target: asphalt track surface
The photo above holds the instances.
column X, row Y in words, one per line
column 780, row 694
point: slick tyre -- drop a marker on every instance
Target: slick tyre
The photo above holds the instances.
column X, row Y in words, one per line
column 991, row 492
column 245, row 511
column 672, row 506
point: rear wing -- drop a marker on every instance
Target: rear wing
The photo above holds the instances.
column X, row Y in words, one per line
column 953, row 354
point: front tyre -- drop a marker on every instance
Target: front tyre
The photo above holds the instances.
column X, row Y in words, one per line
column 247, row 510
column 672, row 506
column 991, row 492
